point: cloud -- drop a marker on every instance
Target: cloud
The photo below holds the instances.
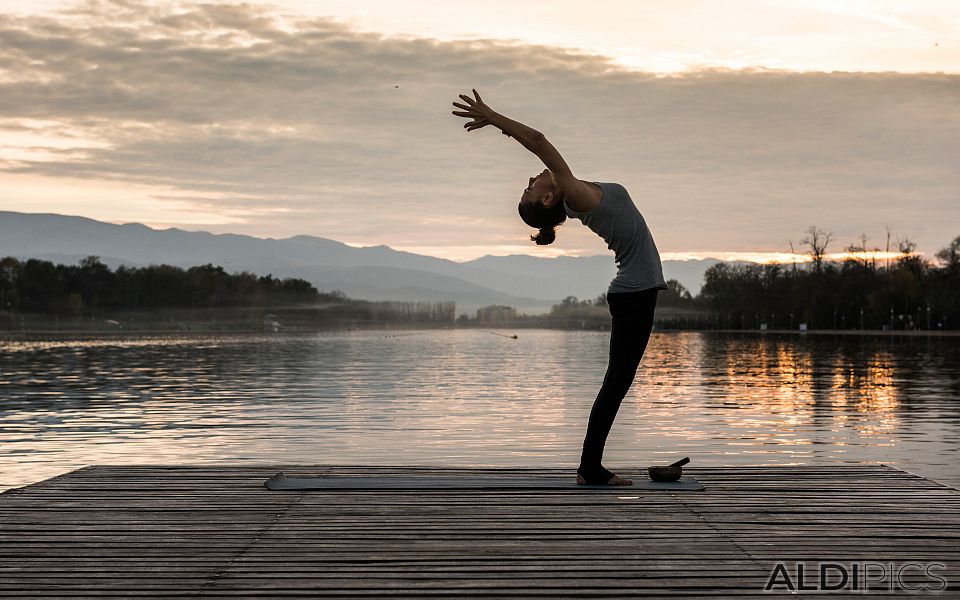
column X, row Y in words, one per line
column 295, row 124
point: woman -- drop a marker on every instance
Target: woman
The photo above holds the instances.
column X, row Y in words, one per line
column 608, row 210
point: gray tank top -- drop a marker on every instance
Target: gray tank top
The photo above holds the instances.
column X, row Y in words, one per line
column 621, row 225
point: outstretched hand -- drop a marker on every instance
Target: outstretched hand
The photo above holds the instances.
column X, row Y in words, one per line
column 481, row 114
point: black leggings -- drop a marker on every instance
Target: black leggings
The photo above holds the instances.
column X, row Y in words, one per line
column 632, row 314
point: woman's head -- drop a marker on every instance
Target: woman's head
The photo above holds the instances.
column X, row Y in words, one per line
column 541, row 207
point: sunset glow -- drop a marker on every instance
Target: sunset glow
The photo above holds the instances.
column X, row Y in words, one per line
column 734, row 126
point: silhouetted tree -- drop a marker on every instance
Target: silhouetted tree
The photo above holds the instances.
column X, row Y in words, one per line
column 950, row 256
column 817, row 241
column 675, row 294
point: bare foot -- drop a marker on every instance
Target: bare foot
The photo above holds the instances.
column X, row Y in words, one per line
column 615, row 480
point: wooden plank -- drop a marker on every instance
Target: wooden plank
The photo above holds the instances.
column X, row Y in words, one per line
column 141, row 530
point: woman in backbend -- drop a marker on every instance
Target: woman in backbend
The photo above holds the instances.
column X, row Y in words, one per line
column 608, row 210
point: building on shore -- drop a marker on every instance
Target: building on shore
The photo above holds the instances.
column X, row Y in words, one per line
column 496, row 314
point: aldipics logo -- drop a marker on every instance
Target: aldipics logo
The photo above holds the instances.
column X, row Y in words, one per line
column 895, row 578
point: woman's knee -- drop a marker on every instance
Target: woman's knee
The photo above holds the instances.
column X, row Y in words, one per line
column 627, row 363
column 619, row 379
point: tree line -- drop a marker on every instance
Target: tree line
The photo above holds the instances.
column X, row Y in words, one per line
column 858, row 292
column 34, row 289
column 901, row 291
column 91, row 287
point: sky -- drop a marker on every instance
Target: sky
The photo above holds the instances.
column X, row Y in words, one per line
column 734, row 126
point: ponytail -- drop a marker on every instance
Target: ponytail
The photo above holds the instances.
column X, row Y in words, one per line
column 545, row 236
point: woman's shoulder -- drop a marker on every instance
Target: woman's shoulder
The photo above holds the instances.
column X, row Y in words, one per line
column 610, row 185
column 612, row 190
column 583, row 199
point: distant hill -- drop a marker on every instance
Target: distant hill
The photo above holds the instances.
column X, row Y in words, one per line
column 531, row 284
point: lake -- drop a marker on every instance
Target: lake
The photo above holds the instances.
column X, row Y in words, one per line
column 461, row 397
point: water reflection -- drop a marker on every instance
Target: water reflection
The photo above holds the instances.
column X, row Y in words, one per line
column 463, row 397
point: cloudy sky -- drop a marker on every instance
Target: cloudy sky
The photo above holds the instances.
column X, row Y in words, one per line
column 733, row 125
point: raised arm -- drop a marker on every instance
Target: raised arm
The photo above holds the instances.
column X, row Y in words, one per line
column 578, row 195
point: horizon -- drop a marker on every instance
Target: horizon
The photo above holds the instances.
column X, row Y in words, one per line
column 758, row 258
column 332, row 119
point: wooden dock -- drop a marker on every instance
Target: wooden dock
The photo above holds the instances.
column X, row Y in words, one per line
column 211, row 531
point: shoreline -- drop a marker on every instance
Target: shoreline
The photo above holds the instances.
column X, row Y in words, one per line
column 6, row 335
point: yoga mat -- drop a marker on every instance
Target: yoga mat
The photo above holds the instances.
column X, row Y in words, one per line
column 281, row 482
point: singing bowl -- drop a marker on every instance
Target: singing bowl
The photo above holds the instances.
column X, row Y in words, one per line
column 664, row 473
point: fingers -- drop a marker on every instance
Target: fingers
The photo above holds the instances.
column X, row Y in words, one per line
column 477, row 124
column 471, row 110
column 476, row 118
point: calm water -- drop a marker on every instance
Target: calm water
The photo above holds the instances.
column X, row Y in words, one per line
column 472, row 397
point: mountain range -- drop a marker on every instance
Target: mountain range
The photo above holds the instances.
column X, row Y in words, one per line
column 528, row 283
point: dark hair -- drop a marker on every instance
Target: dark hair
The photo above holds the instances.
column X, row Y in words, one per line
column 544, row 218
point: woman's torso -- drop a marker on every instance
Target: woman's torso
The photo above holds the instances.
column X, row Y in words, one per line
column 618, row 221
